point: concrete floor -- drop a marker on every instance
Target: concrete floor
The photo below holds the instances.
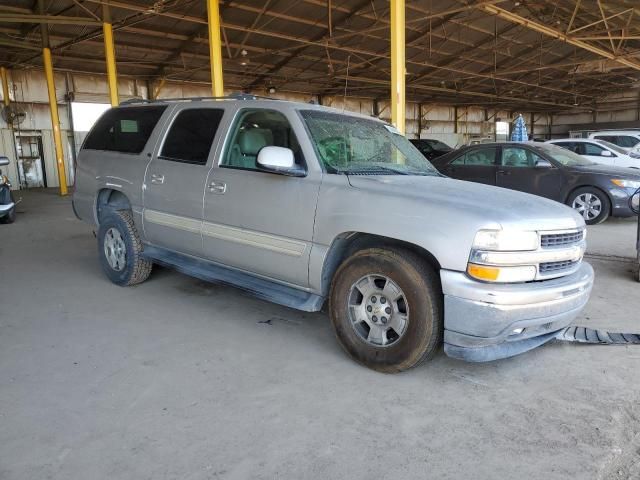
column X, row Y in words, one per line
column 179, row 379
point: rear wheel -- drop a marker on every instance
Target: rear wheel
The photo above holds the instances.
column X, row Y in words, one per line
column 591, row 203
column 386, row 309
column 120, row 249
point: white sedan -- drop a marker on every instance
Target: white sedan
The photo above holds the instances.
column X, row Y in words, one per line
column 598, row 151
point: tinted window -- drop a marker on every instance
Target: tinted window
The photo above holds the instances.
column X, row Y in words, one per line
column 125, row 130
column 519, row 157
column 592, row 149
column 478, row 157
column 191, row 135
column 573, row 146
column 627, row 141
column 256, row 129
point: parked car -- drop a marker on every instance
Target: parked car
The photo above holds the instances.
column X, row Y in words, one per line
column 595, row 191
column 598, row 151
column 625, row 139
column 299, row 204
column 431, row 148
column 7, row 203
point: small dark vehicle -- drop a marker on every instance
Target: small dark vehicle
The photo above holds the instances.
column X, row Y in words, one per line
column 595, row 191
column 431, row 148
column 7, row 204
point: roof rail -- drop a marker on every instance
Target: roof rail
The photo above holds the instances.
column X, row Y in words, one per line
column 233, row 96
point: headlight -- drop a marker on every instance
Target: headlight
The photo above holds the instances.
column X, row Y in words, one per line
column 506, row 240
column 626, row 183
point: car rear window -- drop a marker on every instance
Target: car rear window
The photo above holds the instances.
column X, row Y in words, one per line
column 124, row 130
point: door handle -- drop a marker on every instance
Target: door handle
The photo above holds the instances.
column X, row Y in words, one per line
column 504, row 172
column 217, row 187
column 157, row 179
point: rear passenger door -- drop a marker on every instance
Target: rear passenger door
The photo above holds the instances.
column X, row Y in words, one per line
column 175, row 179
column 477, row 164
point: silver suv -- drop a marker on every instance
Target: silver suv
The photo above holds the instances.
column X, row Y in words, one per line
column 299, row 204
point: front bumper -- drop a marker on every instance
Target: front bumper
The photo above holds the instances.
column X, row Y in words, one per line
column 488, row 321
column 5, row 209
column 620, row 205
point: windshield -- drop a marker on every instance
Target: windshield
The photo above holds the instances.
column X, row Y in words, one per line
column 438, row 145
column 564, row 156
column 612, row 146
column 352, row 145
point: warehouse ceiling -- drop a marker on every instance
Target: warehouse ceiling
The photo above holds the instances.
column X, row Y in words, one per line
column 543, row 55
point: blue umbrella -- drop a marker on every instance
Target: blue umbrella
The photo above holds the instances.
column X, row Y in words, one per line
column 519, row 133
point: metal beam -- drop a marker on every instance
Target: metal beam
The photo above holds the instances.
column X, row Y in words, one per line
column 215, row 47
column 110, row 55
column 538, row 27
column 398, row 67
column 46, row 19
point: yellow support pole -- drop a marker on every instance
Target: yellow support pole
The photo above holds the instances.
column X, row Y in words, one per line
column 55, row 120
column 398, row 107
column 5, row 86
column 215, row 48
column 110, row 55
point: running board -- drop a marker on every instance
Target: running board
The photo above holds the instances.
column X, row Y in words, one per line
column 256, row 286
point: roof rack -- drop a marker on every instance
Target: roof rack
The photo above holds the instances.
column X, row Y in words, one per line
column 233, row 96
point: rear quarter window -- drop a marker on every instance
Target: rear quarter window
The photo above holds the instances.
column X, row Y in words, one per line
column 124, row 130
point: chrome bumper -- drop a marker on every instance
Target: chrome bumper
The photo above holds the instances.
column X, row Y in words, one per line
column 4, row 209
column 485, row 321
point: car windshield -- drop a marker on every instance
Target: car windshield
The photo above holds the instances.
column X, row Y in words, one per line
column 438, row 145
column 352, row 145
column 563, row 156
column 612, row 146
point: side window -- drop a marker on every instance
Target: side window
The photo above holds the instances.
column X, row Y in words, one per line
column 627, row 141
column 519, row 157
column 592, row 149
column 573, row 146
column 190, row 137
column 124, row 130
column 254, row 130
column 609, row 138
column 477, row 157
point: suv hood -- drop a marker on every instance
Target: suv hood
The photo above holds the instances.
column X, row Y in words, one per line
column 491, row 206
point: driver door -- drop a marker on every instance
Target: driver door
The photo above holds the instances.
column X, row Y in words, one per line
column 518, row 171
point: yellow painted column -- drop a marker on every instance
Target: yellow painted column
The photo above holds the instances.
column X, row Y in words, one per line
column 5, row 86
column 398, row 106
column 55, row 120
column 215, row 48
column 110, row 56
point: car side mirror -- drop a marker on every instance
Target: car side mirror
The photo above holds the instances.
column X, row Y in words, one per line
column 606, row 153
column 4, row 161
column 279, row 160
column 543, row 164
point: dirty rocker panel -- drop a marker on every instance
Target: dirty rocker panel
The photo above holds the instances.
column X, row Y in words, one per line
column 256, row 286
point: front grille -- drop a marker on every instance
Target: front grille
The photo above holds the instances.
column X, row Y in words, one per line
column 552, row 240
column 555, row 267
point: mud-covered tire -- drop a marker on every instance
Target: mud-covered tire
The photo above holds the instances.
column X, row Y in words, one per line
column 419, row 283
column 586, row 194
column 136, row 268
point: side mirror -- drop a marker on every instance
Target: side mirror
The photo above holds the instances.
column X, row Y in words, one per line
column 279, row 160
column 543, row 164
column 606, row 153
column 4, row 161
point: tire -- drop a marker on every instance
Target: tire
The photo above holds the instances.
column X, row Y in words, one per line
column 421, row 298
column 119, row 233
column 590, row 196
column 9, row 217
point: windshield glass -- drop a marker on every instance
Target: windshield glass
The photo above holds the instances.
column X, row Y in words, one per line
column 564, row 156
column 347, row 144
column 438, row 145
column 612, row 146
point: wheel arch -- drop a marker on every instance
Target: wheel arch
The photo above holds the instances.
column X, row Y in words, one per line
column 110, row 199
column 347, row 243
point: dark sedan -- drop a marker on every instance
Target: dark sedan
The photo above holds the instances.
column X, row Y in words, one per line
column 595, row 191
column 431, row 148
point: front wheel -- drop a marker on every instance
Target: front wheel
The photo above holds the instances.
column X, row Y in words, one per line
column 591, row 203
column 386, row 309
column 120, row 249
